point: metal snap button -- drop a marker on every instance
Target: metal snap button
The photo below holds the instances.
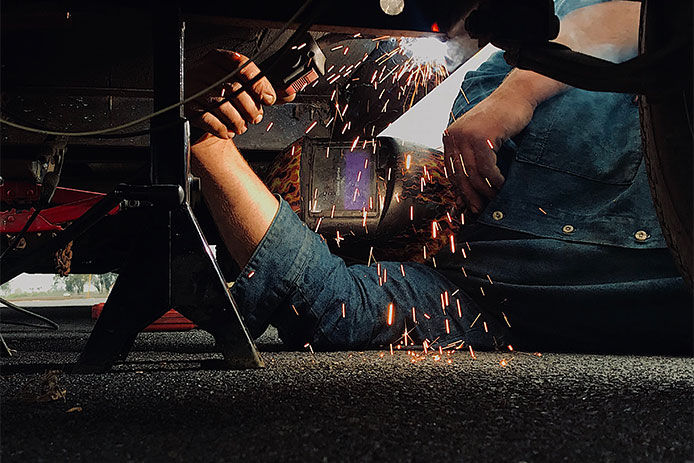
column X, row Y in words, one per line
column 497, row 215
column 641, row 235
column 568, row 229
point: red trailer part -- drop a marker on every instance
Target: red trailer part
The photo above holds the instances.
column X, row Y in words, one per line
column 170, row 321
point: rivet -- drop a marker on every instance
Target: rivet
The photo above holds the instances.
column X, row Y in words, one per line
column 641, row 235
column 497, row 215
column 568, row 229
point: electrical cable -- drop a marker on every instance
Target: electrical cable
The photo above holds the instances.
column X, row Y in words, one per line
column 91, row 133
column 14, row 306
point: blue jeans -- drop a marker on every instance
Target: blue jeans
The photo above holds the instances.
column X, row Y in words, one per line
column 294, row 283
column 555, row 295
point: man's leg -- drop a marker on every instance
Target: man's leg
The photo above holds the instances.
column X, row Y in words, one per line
column 289, row 277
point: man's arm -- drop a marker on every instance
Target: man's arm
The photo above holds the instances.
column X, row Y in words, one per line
column 239, row 202
column 606, row 30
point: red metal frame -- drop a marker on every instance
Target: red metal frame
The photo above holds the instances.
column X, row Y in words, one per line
column 67, row 205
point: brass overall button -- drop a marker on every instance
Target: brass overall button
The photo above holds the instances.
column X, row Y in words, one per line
column 641, row 236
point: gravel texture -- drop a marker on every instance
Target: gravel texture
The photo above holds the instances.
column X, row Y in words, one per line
column 171, row 402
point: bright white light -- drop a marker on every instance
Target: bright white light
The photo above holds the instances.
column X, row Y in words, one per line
column 392, row 7
column 424, row 50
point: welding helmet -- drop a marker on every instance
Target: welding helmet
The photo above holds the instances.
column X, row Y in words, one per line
column 384, row 198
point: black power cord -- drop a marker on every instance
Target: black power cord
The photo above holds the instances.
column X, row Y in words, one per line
column 303, row 27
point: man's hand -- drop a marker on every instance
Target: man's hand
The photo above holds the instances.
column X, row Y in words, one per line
column 471, row 142
column 231, row 117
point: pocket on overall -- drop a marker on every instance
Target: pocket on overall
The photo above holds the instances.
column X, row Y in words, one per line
column 591, row 135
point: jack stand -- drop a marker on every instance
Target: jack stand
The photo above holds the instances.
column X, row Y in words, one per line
column 171, row 266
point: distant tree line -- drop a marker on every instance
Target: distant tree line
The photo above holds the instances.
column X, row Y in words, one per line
column 76, row 283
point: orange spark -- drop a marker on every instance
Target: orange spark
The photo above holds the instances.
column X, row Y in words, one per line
column 475, row 320
column 354, row 143
column 505, row 318
column 391, row 313
column 313, row 124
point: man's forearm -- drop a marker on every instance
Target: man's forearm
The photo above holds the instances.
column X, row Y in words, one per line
column 241, row 205
column 605, row 30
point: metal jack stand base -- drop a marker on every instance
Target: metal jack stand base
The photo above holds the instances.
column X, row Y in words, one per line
column 171, row 267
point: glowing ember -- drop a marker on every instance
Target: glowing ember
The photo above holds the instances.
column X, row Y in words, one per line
column 310, row 127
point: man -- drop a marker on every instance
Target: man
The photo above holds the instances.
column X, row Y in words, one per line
column 566, row 251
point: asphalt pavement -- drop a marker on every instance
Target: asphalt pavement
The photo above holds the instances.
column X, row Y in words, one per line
column 170, row 402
